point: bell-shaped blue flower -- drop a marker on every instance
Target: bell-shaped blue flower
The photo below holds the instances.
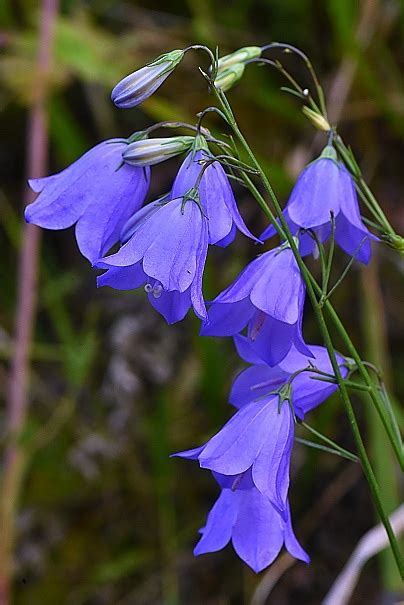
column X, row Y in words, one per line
column 325, row 186
column 97, row 192
column 258, row 439
column 166, row 253
column 308, row 392
column 256, row 530
column 215, row 193
column 267, row 297
column 168, row 239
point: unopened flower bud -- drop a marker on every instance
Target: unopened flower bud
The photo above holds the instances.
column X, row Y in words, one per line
column 239, row 56
column 228, row 77
column 142, row 83
column 152, row 151
column 316, row 119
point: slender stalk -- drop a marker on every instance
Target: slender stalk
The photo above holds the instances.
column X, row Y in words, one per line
column 367, row 468
column 17, row 397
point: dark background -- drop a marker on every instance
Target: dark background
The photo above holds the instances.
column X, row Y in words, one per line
column 104, row 515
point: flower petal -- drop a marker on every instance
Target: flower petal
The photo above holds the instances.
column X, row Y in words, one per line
column 226, row 319
column 123, row 278
column 219, row 525
column 173, row 306
column 291, row 543
column 255, row 382
column 234, row 448
column 271, row 468
column 244, row 283
column 99, row 228
column 316, row 194
column 258, row 531
column 279, row 289
column 64, row 197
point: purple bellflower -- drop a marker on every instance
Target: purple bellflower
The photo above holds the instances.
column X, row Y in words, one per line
column 214, row 193
column 166, row 254
column 258, row 379
column 325, row 186
column 267, row 298
column 168, row 239
column 246, row 517
column 97, row 192
column 258, row 439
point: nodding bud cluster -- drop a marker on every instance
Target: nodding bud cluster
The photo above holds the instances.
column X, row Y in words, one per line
column 230, row 68
column 142, row 83
column 147, row 152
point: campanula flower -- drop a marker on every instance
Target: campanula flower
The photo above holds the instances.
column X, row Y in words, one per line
column 166, row 242
column 166, row 253
column 142, row 83
column 214, row 193
column 259, row 437
column 308, row 392
column 255, row 528
column 267, row 298
column 325, row 186
column 97, row 192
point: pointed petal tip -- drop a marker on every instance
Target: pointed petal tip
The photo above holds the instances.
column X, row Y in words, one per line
column 27, row 215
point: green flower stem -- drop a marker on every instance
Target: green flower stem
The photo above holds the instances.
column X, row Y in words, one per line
column 367, row 468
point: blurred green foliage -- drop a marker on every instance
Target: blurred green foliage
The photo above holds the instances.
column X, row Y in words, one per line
column 106, row 517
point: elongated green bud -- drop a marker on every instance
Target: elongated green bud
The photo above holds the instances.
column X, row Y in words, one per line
column 316, row 119
column 152, row 151
column 239, row 56
column 229, row 77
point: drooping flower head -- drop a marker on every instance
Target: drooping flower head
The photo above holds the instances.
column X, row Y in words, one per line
column 267, row 298
column 258, row 439
column 141, row 84
column 326, row 187
column 98, row 193
column 167, row 247
column 166, row 254
column 246, row 517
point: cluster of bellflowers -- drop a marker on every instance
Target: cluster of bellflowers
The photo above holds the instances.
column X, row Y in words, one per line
column 161, row 247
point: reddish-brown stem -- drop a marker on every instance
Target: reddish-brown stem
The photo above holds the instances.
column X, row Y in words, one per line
column 17, row 397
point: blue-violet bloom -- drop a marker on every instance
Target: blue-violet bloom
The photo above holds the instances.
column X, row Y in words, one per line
column 168, row 240
column 259, row 438
column 325, row 186
column 98, row 192
column 267, row 297
column 246, row 517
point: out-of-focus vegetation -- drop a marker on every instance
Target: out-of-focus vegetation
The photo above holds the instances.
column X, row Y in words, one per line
column 105, row 516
